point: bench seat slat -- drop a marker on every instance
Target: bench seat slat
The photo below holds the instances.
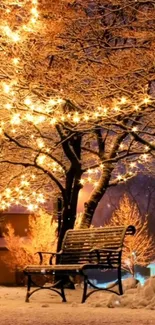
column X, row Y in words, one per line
column 67, row 267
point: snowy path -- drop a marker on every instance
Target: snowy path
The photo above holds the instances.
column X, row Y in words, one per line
column 46, row 309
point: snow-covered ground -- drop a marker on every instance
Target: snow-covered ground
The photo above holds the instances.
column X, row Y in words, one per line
column 136, row 306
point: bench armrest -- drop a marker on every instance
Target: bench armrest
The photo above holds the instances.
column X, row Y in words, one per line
column 50, row 253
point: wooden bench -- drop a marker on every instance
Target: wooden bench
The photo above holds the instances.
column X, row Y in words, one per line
column 82, row 249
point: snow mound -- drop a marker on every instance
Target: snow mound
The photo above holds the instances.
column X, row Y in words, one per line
column 135, row 295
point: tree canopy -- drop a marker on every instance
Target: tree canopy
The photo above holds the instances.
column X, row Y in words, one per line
column 77, row 98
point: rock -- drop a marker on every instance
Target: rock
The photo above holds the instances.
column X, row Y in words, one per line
column 148, row 292
column 129, row 283
column 114, row 301
column 139, row 287
column 131, row 291
column 143, row 303
column 74, row 304
column 98, row 304
column 146, row 282
column 45, row 305
column 152, row 283
column 152, row 307
column 153, row 300
column 126, row 301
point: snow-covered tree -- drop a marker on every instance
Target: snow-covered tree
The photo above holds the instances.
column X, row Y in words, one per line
column 77, row 99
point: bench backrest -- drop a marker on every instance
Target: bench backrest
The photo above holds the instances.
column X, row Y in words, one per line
column 77, row 244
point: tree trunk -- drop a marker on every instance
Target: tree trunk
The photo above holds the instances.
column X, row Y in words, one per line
column 96, row 196
column 68, row 220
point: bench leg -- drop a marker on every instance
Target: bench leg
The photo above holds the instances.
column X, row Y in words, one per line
column 85, row 290
column 120, row 281
column 62, row 292
column 28, row 288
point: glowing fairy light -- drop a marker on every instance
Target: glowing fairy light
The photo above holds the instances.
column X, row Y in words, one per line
column 144, row 157
column 121, row 146
column 27, row 101
column 29, row 117
column 40, row 143
column 60, row 101
column 86, row 118
column 105, row 110
column 26, row 28
column 116, row 109
column 7, row 192
column 39, row 119
column 146, row 100
column 15, row 37
column 8, row 106
column 15, row 61
column 123, row 100
column 53, row 121
column 7, row 30
column 76, row 119
column 31, row 207
column 25, row 183
column 96, row 114
column 135, row 129
column 47, row 149
column 41, row 159
column 41, row 200
column 33, row 20
column 34, row 11
column 132, row 164
column 16, row 119
column 82, row 181
column 136, row 107
column 6, row 88
column 52, row 102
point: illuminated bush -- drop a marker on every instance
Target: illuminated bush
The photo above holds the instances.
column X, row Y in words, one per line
column 41, row 236
column 138, row 249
